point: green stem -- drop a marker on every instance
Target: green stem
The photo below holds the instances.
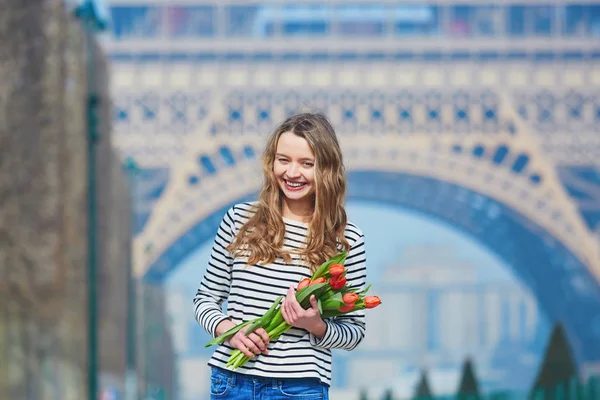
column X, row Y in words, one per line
column 279, row 330
column 234, row 357
column 276, row 321
column 240, row 361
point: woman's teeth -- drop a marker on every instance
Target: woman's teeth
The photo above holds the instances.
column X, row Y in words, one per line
column 294, row 184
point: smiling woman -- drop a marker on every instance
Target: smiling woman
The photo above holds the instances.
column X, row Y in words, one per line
column 263, row 249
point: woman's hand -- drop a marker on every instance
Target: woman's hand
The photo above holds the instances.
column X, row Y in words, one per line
column 251, row 345
column 295, row 315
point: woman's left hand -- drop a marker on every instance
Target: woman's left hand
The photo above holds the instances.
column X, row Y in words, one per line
column 295, row 315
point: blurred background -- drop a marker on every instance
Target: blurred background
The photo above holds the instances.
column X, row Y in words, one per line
column 471, row 135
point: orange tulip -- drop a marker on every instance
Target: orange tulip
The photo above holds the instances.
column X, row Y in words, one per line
column 303, row 283
column 318, row 280
column 372, row 301
column 350, row 298
column 346, row 307
column 336, row 270
column 337, row 282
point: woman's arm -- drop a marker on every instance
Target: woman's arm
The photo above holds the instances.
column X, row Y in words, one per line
column 215, row 285
column 348, row 330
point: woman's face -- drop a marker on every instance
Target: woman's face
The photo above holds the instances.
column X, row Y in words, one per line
column 294, row 167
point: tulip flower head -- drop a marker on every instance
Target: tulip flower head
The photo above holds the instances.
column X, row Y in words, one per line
column 337, row 282
column 303, row 283
column 318, row 280
column 372, row 301
column 336, row 270
column 350, row 298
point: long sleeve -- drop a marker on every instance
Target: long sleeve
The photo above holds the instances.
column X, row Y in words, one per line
column 215, row 285
column 347, row 331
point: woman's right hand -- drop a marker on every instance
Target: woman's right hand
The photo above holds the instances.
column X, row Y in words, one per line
column 254, row 343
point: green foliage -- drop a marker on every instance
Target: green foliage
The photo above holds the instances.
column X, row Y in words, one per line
column 388, row 395
column 468, row 388
column 422, row 391
column 558, row 370
column 363, row 395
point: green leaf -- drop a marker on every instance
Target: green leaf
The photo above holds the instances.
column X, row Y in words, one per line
column 333, row 303
column 224, row 336
column 257, row 324
column 265, row 320
column 277, row 319
column 320, row 306
column 335, row 313
column 269, row 314
column 304, row 294
column 364, row 292
column 330, row 314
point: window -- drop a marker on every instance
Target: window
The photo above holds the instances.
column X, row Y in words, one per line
column 593, row 25
column 361, row 20
column 486, row 20
column 243, row 20
column 530, row 20
column 515, row 20
column 190, row 21
column 541, row 19
column 574, row 19
column 416, row 20
column 130, row 21
column 309, row 20
column 460, row 23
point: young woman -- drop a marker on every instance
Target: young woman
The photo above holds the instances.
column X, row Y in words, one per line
column 263, row 249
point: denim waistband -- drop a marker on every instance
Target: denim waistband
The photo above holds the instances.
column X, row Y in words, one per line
column 275, row 382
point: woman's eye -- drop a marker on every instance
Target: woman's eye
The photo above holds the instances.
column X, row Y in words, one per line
column 308, row 164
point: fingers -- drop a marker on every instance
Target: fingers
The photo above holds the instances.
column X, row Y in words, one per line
column 286, row 309
column 247, row 346
column 258, row 342
column 251, row 345
column 284, row 313
column 263, row 335
column 293, row 307
column 239, row 344
column 313, row 303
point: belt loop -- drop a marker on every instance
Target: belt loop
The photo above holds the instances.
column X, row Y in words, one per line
column 275, row 383
column 232, row 376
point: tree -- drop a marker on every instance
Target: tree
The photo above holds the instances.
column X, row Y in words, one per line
column 558, row 367
column 388, row 395
column 363, row 394
column 422, row 391
column 468, row 383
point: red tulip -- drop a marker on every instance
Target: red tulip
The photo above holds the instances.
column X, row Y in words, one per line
column 336, row 270
column 372, row 301
column 337, row 282
column 346, row 307
column 303, row 283
column 350, row 298
column 318, row 280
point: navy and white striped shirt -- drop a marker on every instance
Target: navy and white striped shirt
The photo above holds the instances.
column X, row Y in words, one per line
column 251, row 290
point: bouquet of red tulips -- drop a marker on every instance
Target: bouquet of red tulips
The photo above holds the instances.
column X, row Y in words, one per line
column 334, row 298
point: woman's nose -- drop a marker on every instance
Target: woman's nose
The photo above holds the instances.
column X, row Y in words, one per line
column 293, row 170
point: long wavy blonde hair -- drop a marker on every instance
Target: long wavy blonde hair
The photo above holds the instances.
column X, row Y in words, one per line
column 261, row 237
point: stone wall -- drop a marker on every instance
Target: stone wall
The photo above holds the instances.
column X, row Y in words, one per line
column 44, row 212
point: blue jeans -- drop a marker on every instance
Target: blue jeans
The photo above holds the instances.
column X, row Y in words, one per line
column 230, row 385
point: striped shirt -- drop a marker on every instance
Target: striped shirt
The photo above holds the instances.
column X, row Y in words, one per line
column 251, row 290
